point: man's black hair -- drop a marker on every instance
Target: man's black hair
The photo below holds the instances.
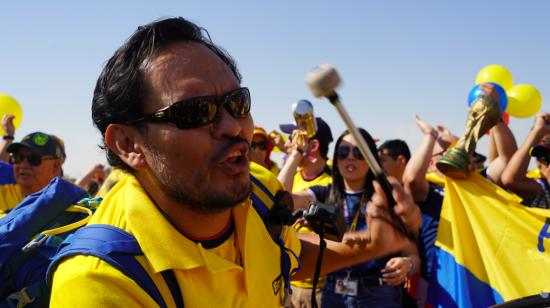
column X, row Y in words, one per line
column 396, row 147
column 120, row 89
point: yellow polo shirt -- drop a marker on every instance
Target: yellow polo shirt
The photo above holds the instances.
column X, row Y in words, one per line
column 10, row 196
column 205, row 278
column 300, row 184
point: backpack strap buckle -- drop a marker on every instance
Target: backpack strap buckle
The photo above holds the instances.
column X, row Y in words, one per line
column 35, row 243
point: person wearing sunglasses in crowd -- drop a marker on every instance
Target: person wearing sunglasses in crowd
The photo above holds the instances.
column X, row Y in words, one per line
column 36, row 160
column 535, row 191
column 260, row 148
column 376, row 283
column 172, row 113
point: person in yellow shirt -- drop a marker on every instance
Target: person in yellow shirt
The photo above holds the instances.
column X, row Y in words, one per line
column 305, row 167
column 174, row 116
column 309, row 167
column 36, row 160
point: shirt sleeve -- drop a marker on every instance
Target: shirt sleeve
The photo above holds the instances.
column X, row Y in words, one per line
column 321, row 192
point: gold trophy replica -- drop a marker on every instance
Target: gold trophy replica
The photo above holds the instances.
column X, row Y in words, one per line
column 484, row 113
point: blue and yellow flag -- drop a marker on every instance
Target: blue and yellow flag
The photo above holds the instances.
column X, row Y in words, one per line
column 490, row 248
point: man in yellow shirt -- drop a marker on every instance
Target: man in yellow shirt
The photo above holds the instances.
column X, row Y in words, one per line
column 172, row 113
column 36, row 160
column 309, row 167
column 302, row 171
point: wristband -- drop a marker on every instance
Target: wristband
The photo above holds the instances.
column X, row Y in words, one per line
column 7, row 137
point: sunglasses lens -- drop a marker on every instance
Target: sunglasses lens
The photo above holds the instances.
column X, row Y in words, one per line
column 195, row 113
column 203, row 110
column 238, row 103
column 33, row 159
column 343, row 152
column 357, row 153
column 259, row 145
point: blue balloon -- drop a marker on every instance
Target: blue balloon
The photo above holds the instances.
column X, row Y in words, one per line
column 477, row 92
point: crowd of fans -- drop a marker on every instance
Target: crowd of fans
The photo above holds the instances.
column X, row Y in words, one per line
column 342, row 180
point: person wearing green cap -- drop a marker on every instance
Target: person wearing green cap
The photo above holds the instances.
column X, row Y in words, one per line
column 36, row 160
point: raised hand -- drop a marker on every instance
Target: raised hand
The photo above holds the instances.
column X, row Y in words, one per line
column 425, row 128
column 7, row 125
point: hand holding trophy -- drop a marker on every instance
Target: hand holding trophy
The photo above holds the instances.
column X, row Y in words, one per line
column 484, row 113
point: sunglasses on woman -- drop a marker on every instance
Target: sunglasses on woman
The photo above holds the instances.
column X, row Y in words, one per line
column 343, row 152
column 260, row 145
column 199, row 111
column 33, row 159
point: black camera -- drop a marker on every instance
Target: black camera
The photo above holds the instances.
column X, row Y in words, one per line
column 324, row 219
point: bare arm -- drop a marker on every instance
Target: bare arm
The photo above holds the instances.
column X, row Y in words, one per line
column 358, row 247
column 414, row 175
column 86, row 178
column 505, row 146
column 514, row 175
column 299, row 146
column 286, row 175
column 302, row 199
column 9, row 130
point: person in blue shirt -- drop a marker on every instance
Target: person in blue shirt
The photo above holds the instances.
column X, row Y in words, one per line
column 376, row 283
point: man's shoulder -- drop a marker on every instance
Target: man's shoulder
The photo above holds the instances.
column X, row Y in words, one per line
column 264, row 185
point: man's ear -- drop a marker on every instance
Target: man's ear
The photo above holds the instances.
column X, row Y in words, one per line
column 402, row 159
column 314, row 145
column 123, row 141
column 57, row 163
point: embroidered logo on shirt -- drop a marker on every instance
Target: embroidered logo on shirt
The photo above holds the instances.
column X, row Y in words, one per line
column 277, row 283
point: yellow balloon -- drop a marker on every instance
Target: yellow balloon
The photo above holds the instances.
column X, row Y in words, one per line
column 524, row 101
column 8, row 105
column 497, row 74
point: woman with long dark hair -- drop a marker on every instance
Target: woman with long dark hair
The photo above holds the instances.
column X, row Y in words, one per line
column 377, row 283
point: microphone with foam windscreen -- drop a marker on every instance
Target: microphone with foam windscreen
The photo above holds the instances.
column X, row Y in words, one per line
column 322, row 82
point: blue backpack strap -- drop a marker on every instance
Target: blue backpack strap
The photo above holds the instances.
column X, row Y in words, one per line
column 257, row 203
column 118, row 248
column 263, row 211
column 172, row 283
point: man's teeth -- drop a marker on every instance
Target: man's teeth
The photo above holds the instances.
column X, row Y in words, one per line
column 234, row 154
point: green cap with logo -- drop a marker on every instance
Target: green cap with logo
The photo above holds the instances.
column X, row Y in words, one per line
column 40, row 143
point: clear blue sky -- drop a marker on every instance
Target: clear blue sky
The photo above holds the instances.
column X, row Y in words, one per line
column 395, row 58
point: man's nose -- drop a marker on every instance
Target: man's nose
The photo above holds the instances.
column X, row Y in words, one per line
column 227, row 125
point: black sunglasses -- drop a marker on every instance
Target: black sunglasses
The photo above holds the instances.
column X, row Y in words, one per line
column 343, row 152
column 199, row 111
column 33, row 159
column 261, row 145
